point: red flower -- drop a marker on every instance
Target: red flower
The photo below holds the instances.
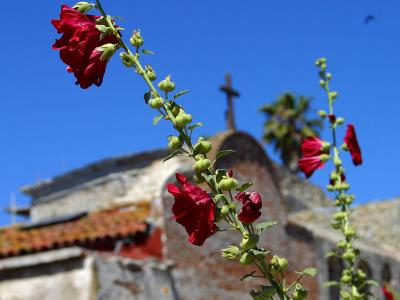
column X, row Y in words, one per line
column 309, row 164
column 252, row 204
column 193, row 209
column 78, row 43
column 350, row 140
column 387, row 293
column 312, row 149
column 311, row 146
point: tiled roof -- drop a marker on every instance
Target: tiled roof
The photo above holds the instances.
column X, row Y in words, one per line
column 93, row 228
column 377, row 223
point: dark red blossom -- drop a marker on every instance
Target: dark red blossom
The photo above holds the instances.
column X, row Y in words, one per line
column 350, row 140
column 312, row 149
column 80, row 38
column 252, row 204
column 387, row 293
column 193, row 209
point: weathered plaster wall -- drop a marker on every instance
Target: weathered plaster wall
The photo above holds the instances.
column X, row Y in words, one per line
column 62, row 280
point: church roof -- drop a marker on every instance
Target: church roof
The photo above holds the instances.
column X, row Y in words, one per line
column 377, row 223
column 93, row 229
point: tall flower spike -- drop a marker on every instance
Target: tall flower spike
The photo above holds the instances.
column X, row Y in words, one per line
column 351, row 141
column 193, row 209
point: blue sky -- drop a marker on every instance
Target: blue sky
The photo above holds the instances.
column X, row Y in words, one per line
column 49, row 126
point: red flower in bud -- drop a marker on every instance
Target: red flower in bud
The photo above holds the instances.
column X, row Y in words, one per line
column 350, row 140
column 342, row 178
column 312, row 149
column 332, row 118
column 193, row 209
column 230, row 173
column 252, row 204
column 78, row 43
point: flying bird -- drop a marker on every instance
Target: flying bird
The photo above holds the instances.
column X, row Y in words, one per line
column 369, row 18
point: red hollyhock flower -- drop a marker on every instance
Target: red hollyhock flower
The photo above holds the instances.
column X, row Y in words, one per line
column 78, row 43
column 252, row 204
column 309, row 164
column 312, row 146
column 350, row 140
column 387, row 293
column 312, row 149
column 193, row 209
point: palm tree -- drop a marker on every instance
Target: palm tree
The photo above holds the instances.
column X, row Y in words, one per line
column 287, row 125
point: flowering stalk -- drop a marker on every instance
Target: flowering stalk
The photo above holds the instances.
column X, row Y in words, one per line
column 195, row 209
column 353, row 279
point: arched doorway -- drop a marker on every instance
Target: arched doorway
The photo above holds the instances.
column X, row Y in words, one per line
column 335, row 268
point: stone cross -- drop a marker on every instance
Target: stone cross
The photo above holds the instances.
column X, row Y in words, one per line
column 230, row 93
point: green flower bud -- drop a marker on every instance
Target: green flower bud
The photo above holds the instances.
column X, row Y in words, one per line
column 202, row 146
column 136, row 39
column 329, row 76
column 107, row 50
column 322, row 113
column 157, row 102
column 174, row 142
column 198, row 178
column 344, row 147
column 84, row 7
column 345, row 279
column 300, row 293
column 249, row 241
column 201, row 165
column 340, row 121
column 345, row 295
column 247, row 258
column 283, row 263
column 345, row 186
column 349, row 256
column 342, row 244
column 151, row 74
column 227, row 184
column 330, row 188
column 339, row 216
column 221, row 213
column 182, row 119
column 167, row 85
column 219, row 197
column 126, row 59
column 322, row 83
column 231, row 252
column 349, row 232
column 349, row 199
column 333, row 95
column 361, row 275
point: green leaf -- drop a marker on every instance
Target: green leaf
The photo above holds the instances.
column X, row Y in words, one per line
column 265, row 225
column 181, row 93
column 147, row 97
column 224, row 153
column 198, row 124
column 102, row 28
column 173, row 154
column 157, row 119
column 248, row 275
column 371, row 282
column 310, row 272
column 244, row 186
column 260, row 253
column 330, row 253
column 146, row 51
column 331, row 283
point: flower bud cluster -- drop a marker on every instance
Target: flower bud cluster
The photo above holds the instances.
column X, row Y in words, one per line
column 136, row 39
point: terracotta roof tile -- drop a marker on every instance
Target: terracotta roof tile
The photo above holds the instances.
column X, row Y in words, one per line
column 97, row 226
